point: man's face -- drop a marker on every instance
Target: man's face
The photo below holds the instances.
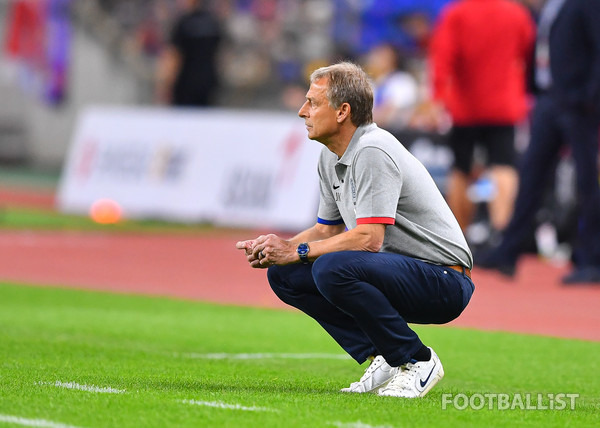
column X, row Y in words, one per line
column 319, row 117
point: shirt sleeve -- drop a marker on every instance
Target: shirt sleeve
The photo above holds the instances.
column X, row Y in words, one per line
column 328, row 212
column 378, row 182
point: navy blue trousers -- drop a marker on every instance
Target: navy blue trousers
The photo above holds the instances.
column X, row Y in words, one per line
column 366, row 300
column 552, row 128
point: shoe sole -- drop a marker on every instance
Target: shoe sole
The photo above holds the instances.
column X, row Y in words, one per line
column 373, row 391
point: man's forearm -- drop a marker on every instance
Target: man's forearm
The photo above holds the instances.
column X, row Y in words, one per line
column 327, row 239
column 316, row 233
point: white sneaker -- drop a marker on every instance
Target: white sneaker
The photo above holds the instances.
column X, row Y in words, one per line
column 415, row 379
column 377, row 375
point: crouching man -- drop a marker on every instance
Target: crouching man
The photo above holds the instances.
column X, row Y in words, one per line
column 385, row 251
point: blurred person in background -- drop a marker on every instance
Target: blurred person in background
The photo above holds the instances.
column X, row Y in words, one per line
column 386, row 250
column 534, row 7
column 566, row 113
column 478, row 57
column 38, row 38
column 418, row 25
column 187, row 67
column 396, row 92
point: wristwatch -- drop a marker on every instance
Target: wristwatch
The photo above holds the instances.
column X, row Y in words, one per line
column 302, row 251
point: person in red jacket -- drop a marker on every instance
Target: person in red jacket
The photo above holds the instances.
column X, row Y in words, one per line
column 478, row 58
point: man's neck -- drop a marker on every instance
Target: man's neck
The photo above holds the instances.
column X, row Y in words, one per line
column 339, row 142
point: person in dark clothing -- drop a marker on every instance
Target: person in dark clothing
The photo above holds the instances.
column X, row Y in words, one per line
column 567, row 112
column 187, row 71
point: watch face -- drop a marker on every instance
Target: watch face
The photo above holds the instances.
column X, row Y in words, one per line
column 302, row 249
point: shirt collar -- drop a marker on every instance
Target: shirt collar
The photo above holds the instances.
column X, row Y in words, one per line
column 346, row 158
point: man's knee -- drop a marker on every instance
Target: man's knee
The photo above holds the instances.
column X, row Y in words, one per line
column 322, row 268
column 276, row 279
column 289, row 282
column 329, row 274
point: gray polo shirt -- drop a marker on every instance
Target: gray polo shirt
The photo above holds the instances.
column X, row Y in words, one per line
column 377, row 180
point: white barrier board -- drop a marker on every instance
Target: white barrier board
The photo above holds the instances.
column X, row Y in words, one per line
column 229, row 167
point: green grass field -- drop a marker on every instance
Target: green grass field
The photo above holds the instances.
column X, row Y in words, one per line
column 19, row 218
column 90, row 359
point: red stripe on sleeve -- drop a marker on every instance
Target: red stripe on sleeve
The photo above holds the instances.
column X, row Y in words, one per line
column 375, row 220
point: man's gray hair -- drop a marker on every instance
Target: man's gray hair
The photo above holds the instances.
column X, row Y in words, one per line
column 348, row 83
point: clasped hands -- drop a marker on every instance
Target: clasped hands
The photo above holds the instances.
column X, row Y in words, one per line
column 268, row 250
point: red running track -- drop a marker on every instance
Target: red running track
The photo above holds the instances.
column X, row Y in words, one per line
column 209, row 268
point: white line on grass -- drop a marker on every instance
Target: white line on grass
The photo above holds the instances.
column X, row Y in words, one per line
column 260, row 356
column 221, row 405
column 17, row 420
column 88, row 388
column 357, row 424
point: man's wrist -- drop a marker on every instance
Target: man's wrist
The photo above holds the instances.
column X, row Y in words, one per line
column 302, row 250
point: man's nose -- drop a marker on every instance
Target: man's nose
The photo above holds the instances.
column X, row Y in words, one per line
column 302, row 111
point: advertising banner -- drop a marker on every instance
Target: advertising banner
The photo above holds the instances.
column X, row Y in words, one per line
column 228, row 167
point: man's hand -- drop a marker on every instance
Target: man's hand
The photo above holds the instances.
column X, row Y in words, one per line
column 268, row 250
column 247, row 246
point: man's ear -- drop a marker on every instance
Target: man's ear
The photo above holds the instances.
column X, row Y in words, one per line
column 343, row 112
